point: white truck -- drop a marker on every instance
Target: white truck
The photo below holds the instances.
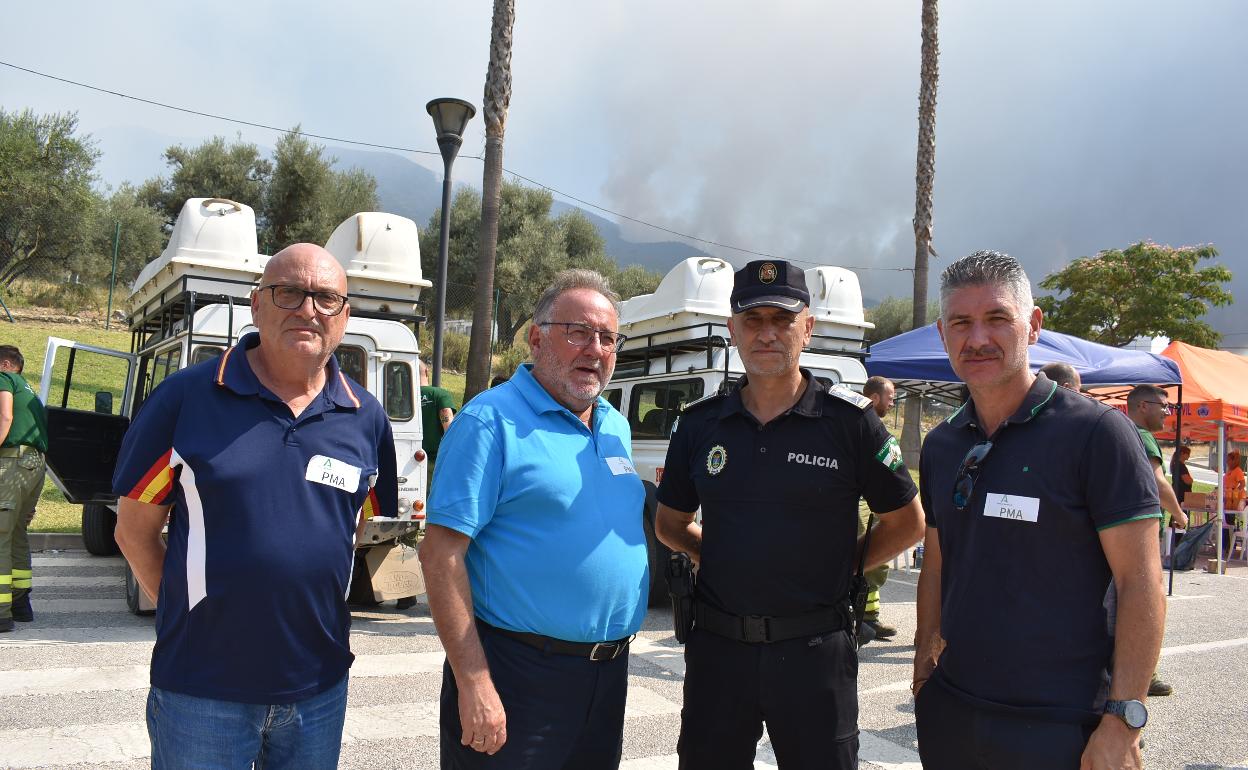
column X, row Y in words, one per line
column 679, row 350
column 188, row 306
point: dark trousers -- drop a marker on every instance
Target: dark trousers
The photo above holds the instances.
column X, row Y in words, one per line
column 805, row 690
column 955, row 735
column 563, row 712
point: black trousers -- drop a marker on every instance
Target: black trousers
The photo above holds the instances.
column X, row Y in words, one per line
column 563, row 713
column 805, row 690
column 955, row 735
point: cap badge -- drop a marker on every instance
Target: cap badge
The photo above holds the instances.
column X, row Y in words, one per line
column 767, row 272
column 716, row 459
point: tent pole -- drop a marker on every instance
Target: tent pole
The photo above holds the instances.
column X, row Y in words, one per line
column 1178, row 444
column 1221, row 491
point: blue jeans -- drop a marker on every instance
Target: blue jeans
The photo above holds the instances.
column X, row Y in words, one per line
column 204, row 734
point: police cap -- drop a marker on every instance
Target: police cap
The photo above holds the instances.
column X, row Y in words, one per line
column 769, row 283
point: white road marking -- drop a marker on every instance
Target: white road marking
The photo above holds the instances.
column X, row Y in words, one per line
column 1185, row 649
column 97, row 744
column 48, row 560
column 51, row 581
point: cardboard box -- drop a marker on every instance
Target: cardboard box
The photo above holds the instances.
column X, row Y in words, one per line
column 1196, row 500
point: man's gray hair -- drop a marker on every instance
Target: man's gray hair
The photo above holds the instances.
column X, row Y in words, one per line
column 987, row 268
column 568, row 280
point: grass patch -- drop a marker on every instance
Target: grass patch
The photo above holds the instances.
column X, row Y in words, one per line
column 54, row 513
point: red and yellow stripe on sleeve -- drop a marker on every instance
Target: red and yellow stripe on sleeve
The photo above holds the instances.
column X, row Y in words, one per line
column 370, row 507
column 156, row 483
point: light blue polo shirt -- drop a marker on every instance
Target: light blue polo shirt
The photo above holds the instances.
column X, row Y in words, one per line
column 554, row 512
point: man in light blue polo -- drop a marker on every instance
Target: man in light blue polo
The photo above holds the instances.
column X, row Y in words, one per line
column 535, row 556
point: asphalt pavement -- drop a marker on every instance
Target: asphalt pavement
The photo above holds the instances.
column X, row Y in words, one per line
column 73, row 684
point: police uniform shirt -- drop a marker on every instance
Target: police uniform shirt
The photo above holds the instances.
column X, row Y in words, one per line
column 780, row 501
column 1024, row 578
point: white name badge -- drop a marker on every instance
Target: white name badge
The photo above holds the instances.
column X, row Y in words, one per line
column 620, row 466
column 1007, row 506
column 333, row 473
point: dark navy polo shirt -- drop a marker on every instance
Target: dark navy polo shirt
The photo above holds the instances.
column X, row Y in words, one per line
column 780, row 501
column 1024, row 578
column 252, row 603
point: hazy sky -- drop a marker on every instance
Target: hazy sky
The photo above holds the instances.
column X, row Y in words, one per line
column 785, row 127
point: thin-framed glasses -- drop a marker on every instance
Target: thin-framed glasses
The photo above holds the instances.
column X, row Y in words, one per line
column 580, row 335
column 292, row 297
column 1165, row 407
column 968, row 472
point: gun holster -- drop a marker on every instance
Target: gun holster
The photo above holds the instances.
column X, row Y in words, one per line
column 858, row 590
column 680, row 586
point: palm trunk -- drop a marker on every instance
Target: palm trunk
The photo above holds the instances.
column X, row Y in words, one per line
column 497, row 98
column 911, row 438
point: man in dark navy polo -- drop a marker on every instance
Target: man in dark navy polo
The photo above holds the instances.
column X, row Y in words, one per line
column 1042, row 508
column 777, row 466
column 535, row 558
column 266, row 462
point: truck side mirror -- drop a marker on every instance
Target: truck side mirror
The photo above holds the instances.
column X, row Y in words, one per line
column 104, row 402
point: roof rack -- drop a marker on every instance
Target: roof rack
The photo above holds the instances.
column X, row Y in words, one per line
column 638, row 352
column 172, row 310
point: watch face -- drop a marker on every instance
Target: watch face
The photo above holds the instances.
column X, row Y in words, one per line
column 1134, row 713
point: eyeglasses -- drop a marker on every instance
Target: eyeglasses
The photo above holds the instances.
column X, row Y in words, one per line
column 580, row 335
column 968, row 472
column 292, row 297
column 1165, row 407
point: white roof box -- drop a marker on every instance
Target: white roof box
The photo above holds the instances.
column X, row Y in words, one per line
column 381, row 255
column 212, row 238
column 695, row 293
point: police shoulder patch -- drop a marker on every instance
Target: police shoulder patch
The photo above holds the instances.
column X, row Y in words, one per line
column 889, row 455
column 845, row 394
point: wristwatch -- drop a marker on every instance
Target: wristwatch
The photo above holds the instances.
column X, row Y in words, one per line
column 1134, row 713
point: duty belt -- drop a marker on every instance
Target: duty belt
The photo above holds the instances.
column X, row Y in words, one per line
column 764, row 628
column 597, row 651
column 16, row 451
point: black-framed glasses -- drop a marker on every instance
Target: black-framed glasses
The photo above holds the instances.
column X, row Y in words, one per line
column 580, row 335
column 968, row 472
column 1165, row 406
column 292, row 297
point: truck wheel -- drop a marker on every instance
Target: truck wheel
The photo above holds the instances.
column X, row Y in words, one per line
column 658, row 553
column 98, row 524
column 133, row 592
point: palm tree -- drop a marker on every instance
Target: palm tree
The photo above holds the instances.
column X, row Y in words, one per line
column 924, row 176
column 497, row 98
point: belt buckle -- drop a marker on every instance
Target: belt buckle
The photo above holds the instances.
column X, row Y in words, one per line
column 614, row 647
column 754, row 628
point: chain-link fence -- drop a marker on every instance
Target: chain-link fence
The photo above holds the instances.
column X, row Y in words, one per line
column 511, row 316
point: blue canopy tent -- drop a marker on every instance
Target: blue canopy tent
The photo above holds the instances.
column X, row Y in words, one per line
column 916, row 363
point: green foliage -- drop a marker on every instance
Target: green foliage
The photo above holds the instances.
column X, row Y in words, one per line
column 212, row 170
column 139, row 240
column 893, row 316
column 298, row 196
column 47, row 206
column 1145, row 290
column 506, row 362
column 454, row 351
column 532, row 248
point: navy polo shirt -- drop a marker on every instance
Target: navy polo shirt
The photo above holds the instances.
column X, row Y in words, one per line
column 780, row 501
column 252, row 603
column 1024, row 579
column 554, row 510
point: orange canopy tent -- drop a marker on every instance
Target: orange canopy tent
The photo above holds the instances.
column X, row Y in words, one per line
column 1215, row 390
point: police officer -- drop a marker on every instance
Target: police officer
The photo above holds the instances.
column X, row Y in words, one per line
column 777, row 466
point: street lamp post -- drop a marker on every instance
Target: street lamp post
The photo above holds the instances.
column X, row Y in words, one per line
column 450, row 118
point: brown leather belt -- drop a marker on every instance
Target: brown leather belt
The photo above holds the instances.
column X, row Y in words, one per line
column 597, row 651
